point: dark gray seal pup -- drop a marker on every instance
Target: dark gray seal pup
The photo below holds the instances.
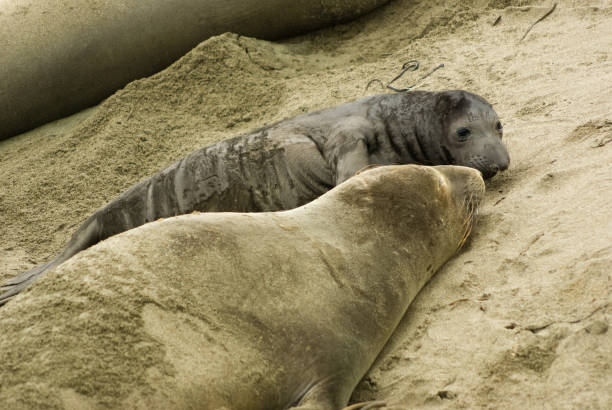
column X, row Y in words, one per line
column 292, row 162
column 240, row 311
column 59, row 57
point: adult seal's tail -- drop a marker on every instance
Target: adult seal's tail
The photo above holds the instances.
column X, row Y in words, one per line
column 59, row 57
column 238, row 311
column 294, row 161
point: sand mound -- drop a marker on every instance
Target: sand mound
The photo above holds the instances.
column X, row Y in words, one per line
column 520, row 319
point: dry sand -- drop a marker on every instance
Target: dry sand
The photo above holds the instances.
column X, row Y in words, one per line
column 520, row 319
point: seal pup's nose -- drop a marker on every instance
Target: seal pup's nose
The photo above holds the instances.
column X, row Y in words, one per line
column 504, row 163
column 503, row 158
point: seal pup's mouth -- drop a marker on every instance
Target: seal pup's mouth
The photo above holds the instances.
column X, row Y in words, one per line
column 493, row 169
column 489, row 173
column 488, row 169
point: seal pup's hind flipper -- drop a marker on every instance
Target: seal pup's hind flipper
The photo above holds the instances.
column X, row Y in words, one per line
column 18, row 283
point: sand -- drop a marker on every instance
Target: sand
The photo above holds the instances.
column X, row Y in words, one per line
column 519, row 319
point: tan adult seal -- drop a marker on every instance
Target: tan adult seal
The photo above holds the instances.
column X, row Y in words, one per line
column 238, row 311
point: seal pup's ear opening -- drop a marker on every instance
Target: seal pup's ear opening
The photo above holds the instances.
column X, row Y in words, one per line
column 452, row 100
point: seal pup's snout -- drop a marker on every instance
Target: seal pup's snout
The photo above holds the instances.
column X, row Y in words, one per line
column 504, row 161
column 500, row 157
column 487, row 165
column 490, row 170
column 489, row 155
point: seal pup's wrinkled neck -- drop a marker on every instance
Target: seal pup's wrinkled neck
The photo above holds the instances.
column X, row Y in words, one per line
column 412, row 129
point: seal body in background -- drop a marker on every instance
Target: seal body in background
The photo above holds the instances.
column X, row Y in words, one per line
column 239, row 310
column 292, row 162
column 59, row 57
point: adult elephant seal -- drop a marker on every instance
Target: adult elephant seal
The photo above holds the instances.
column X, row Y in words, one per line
column 237, row 310
column 61, row 56
column 292, row 162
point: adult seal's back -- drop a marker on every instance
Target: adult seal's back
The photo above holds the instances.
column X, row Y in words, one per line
column 238, row 311
column 59, row 57
column 294, row 161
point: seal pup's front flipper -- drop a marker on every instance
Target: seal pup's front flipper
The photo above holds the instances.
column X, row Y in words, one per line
column 347, row 148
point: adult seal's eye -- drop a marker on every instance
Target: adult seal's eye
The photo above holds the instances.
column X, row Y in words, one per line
column 463, row 134
column 499, row 126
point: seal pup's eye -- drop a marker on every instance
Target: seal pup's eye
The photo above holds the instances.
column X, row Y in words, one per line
column 463, row 134
column 499, row 126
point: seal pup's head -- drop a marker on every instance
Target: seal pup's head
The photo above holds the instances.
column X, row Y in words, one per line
column 472, row 132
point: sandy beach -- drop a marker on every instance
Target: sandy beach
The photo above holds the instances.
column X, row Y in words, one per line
column 520, row 318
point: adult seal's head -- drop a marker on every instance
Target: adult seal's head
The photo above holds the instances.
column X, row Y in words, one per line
column 472, row 132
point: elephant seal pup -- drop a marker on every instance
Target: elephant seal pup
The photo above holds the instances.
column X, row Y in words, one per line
column 237, row 310
column 294, row 161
